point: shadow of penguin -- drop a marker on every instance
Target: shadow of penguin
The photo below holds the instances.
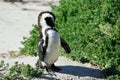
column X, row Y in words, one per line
column 81, row 71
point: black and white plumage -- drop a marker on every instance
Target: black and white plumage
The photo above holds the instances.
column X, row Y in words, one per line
column 50, row 42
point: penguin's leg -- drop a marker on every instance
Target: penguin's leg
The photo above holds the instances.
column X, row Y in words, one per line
column 38, row 64
column 50, row 71
column 41, row 64
column 54, row 68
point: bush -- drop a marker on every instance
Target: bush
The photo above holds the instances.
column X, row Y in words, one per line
column 30, row 44
column 115, row 77
column 92, row 29
column 22, row 72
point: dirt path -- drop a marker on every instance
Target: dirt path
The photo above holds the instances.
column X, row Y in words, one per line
column 71, row 70
column 16, row 21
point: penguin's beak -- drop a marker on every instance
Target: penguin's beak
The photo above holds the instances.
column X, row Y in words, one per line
column 50, row 21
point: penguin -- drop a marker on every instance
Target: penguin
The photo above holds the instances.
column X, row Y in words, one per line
column 50, row 42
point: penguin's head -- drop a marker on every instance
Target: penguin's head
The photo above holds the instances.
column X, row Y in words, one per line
column 46, row 19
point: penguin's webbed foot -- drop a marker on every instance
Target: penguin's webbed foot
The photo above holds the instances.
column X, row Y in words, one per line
column 54, row 68
column 38, row 64
column 41, row 64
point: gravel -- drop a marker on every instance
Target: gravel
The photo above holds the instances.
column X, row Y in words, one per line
column 70, row 70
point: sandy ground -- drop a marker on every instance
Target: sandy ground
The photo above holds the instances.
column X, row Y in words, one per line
column 16, row 21
column 70, row 70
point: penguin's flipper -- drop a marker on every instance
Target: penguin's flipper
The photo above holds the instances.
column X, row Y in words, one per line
column 40, row 53
column 65, row 45
column 41, row 50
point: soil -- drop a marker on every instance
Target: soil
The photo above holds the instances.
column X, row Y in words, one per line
column 70, row 70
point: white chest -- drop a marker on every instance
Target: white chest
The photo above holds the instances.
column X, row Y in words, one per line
column 53, row 48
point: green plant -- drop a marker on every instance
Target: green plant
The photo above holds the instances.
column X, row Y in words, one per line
column 1, row 63
column 22, row 72
column 30, row 44
column 92, row 29
column 114, row 77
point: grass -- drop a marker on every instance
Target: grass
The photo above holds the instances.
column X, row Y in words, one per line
column 21, row 72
